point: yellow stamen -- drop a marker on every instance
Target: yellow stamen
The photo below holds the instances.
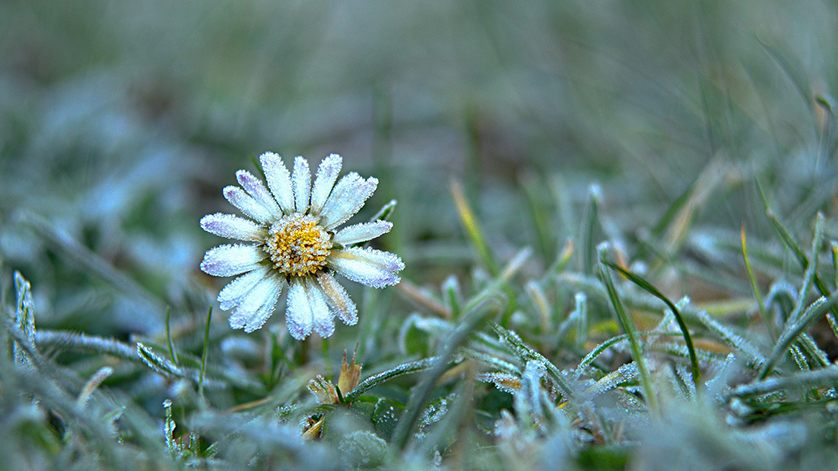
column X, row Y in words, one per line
column 297, row 245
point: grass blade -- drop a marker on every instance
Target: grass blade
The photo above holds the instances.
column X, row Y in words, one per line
column 475, row 233
column 172, row 352
column 755, row 286
column 204, row 355
column 793, row 329
column 588, row 230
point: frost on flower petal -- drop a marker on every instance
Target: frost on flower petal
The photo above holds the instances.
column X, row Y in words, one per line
column 256, row 189
column 346, row 199
column 361, row 232
column 230, row 260
column 258, row 305
column 327, row 174
column 367, row 266
column 324, row 323
column 301, row 179
column 291, row 228
column 279, row 180
column 246, row 204
column 237, row 289
column 258, row 319
column 298, row 315
column 232, row 227
column 338, row 299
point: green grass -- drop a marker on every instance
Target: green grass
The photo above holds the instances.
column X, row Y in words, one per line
column 618, row 221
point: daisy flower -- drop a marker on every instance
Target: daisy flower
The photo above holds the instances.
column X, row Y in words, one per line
column 294, row 242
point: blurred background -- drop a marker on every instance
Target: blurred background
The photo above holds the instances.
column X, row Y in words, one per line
column 120, row 123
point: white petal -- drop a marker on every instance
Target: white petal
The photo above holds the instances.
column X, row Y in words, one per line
column 324, row 318
column 384, row 260
column 232, row 227
column 346, row 199
column 338, row 299
column 229, row 260
column 361, row 232
column 255, row 188
column 334, row 207
column 251, row 302
column 246, row 204
column 264, row 313
column 367, row 266
column 298, row 315
column 327, row 173
column 279, row 180
column 236, row 290
column 301, row 179
column 258, row 305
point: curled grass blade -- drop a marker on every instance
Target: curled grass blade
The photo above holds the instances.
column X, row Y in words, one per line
column 628, row 327
column 646, row 286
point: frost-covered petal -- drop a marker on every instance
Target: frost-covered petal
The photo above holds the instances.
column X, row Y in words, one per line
column 346, row 199
column 232, row 227
column 258, row 305
column 279, row 180
column 334, row 201
column 324, row 318
column 298, row 316
column 246, row 204
column 327, row 174
column 256, row 189
column 367, row 266
column 230, row 260
column 236, row 290
column 301, row 180
column 338, row 299
column 384, row 260
column 361, row 232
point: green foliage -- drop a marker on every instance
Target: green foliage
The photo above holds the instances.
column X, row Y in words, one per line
column 575, row 181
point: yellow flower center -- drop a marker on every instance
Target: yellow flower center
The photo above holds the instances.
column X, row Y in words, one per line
column 297, row 245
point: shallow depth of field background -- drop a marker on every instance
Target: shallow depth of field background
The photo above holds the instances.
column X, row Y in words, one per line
column 121, row 122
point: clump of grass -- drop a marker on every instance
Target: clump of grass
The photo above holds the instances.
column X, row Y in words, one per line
column 490, row 375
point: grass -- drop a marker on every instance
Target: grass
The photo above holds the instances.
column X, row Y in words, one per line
column 618, row 222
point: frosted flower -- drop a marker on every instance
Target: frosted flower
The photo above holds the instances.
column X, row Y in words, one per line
column 294, row 243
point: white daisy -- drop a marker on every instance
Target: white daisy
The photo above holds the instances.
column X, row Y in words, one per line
column 294, row 242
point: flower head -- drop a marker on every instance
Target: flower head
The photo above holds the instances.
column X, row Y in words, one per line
column 294, row 242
